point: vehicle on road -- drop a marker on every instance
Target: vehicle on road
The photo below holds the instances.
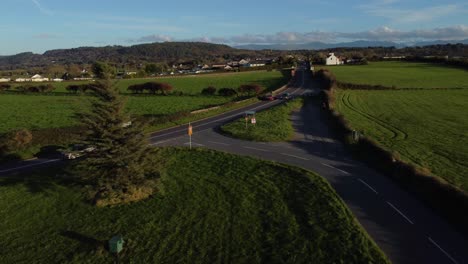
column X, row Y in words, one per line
column 77, row 151
column 267, row 97
column 283, row 96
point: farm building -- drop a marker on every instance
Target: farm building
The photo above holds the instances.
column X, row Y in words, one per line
column 333, row 60
column 39, row 78
column 22, row 80
column 5, row 79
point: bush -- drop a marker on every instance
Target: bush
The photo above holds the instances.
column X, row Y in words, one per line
column 250, row 89
column 4, row 87
column 136, row 88
column 36, row 89
column 82, row 88
column 15, row 140
column 165, row 88
column 209, row 91
column 227, row 92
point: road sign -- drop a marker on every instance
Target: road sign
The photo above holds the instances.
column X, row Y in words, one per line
column 253, row 120
column 190, row 130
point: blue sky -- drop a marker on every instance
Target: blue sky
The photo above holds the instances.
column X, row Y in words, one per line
column 40, row 25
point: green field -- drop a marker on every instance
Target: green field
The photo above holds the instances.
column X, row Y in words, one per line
column 272, row 125
column 42, row 111
column 193, row 84
column 403, row 75
column 427, row 127
column 45, row 111
column 245, row 211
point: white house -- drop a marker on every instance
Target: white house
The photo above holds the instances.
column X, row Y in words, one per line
column 57, row 80
column 39, row 78
column 227, row 68
column 5, row 79
column 23, row 80
column 243, row 62
column 257, row 63
column 333, row 60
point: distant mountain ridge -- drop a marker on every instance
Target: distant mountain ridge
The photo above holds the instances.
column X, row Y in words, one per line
column 354, row 44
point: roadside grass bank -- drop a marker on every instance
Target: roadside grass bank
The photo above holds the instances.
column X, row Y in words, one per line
column 444, row 197
column 245, row 211
column 273, row 124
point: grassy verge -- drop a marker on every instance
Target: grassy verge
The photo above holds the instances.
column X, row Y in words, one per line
column 245, row 211
column 272, row 125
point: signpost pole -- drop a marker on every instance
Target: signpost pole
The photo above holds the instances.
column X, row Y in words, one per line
column 190, row 131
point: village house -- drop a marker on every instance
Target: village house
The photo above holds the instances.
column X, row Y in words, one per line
column 333, row 60
column 5, row 79
column 257, row 63
column 243, row 62
column 22, row 80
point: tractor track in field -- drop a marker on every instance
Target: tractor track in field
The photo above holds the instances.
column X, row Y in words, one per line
column 398, row 134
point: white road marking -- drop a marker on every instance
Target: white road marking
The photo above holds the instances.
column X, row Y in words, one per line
column 219, row 143
column 398, row 211
column 443, row 251
column 368, row 186
column 330, row 166
column 264, row 150
column 30, row 165
column 294, row 156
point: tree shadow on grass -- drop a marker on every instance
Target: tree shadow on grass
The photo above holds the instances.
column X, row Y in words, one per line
column 41, row 181
column 87, row 243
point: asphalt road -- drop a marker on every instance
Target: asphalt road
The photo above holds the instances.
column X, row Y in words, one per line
column 404, row 228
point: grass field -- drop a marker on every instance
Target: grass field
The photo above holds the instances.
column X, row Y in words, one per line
column 45, row 111
column 42, row 111
column 403, row 75
column 245, row 211
column 272, row 125
column 193, row 84
column 426, row 127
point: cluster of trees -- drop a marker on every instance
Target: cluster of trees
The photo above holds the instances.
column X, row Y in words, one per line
column 80, row 88
column 43, row 88
column 245, row 89
column 151, row 87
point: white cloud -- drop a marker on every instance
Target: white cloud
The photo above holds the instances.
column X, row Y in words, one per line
column 41, row 8
column 153, row 38
column 379, row 34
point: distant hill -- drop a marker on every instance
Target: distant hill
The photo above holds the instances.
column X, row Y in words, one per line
column 353, row 44
column 170, row 52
